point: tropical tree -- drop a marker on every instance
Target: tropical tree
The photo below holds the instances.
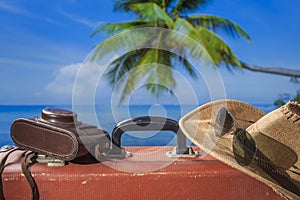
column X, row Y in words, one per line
column 173, row 15
column 284, row 98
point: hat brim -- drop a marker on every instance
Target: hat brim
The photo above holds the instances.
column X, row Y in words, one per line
column 197, row 126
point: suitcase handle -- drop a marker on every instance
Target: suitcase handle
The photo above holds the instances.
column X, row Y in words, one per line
column 148, row 123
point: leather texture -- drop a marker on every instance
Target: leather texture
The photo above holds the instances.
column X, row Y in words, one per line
column 195, row 178
column 58, row 134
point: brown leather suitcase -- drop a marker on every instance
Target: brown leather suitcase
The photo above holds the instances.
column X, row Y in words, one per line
column 148, row 174
column 135, row 172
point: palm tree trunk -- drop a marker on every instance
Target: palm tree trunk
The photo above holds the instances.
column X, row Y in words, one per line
column 279, row 71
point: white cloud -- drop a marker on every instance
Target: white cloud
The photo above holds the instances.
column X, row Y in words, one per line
column 63, row 83
column 249, row 87
column 78, row 80
column 84, row 83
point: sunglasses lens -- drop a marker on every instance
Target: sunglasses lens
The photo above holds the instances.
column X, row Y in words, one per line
column 244, row 147
column 224, row 121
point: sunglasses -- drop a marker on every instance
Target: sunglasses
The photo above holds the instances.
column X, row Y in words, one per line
column 245, row 150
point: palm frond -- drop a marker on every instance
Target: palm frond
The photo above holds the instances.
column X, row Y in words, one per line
column 179, row 59
column 152, row 12
column 187, row 65
column 196, row 45
column 160, row 77
column 120, row 66
column 113, row 28
column 124, row 5
column 160, row 80
column 220, row 50
column 118, row 44
column 147, row 62
column 131, row 79
column 188, row 5
column 214, row 22
column 166, row 4
column 152, row 69
column 215, row 47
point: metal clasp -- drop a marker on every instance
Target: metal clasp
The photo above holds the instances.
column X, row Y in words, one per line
column 51, row 162
column 190, row 153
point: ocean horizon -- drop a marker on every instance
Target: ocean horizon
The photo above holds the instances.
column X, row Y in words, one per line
column 107, row 119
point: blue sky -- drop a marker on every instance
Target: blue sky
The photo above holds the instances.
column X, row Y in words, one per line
column 44, row 42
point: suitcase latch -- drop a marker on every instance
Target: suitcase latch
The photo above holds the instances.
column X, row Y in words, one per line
column 51, row 162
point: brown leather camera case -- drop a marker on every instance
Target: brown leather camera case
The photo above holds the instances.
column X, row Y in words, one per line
column 58, row 134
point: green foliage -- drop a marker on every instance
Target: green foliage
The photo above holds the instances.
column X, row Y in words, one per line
column 284, row 98
column 297, row 97
column 279, row 102
column 109, row 28
column 127, row 70
column 214, row 23
column 295, row 80
column 124, row 5
column 188, row 5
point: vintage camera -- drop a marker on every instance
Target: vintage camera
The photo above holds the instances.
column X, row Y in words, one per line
column 58, row 134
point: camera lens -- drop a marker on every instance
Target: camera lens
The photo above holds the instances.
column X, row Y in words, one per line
column 59, row 116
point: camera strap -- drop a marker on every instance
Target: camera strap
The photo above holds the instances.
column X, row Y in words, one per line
column 26, row 162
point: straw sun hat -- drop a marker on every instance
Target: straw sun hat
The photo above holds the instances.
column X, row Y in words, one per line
column 275, row 137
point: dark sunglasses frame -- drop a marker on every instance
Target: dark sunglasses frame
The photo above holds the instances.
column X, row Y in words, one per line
column 245, row 151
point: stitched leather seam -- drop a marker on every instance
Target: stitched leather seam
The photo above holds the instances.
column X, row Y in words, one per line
column 51, row 130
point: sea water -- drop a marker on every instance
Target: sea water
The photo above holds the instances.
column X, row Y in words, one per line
column 107, row 118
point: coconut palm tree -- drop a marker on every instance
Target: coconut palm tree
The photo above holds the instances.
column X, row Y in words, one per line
column 173, row 15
